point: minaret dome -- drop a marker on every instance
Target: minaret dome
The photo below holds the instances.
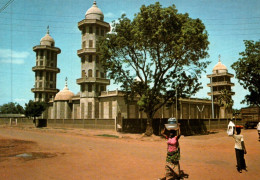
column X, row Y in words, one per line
column 219, row 67
column 94, row 13
column 47, row 40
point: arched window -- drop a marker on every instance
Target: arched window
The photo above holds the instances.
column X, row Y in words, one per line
column 90, row 73
column 83, row 73
column 90, row 43
column 90, row 58
column 83, row 44
column 89, row 87
column 90, row 30
column 97, row 59
column 97, row 30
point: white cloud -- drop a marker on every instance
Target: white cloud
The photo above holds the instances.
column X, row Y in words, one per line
column 14, row 61
column 20, row 100
column 109, row 15
column 10, row 56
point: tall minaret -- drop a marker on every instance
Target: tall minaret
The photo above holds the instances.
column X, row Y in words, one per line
column 46, row 69
column 220, row 79
column 93, row 78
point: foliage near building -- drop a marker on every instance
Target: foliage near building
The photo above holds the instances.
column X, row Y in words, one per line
column 247, row 70
column 155, row 54
column 11, row 108
column 34, row 109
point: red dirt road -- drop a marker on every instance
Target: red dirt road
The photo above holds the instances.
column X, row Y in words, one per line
column 80, row 154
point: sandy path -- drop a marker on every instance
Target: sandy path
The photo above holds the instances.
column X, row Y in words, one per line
column 81, row 155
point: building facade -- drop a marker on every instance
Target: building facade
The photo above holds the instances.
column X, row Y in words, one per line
column 94, row 101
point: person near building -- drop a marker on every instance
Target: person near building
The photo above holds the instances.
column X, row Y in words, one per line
column 258, row 130
column 240, row 149
column 172, row 167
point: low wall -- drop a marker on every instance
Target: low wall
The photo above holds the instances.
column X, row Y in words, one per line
column 188, row 126
column 16, row 121
column 82, row 123
column 68, row 123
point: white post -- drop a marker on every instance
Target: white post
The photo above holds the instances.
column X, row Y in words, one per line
column 212, row 97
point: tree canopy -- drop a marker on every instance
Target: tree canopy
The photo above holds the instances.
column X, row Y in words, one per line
column 34, row 109
column 155, row 53
column 11, row 108
column 247, row 70
column 225, row 99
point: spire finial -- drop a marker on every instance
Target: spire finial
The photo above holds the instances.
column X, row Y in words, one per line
column 48, row 31
column 66, row 84
column 94, row 3
column 219, row 58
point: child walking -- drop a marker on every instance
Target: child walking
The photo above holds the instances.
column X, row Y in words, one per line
column 240, row 149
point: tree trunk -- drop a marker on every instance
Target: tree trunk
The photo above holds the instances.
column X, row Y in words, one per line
column 149, row 126
column 34, row 121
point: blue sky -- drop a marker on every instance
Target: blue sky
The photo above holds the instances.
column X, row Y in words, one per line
column 24, row 23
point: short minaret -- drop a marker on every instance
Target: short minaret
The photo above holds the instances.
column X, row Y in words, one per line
column 220, row 79
column 93, row 77
column 46, row 69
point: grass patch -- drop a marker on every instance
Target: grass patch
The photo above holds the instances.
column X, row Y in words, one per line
column 108, row 135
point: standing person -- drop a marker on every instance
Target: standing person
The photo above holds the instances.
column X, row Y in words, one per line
column 258, row 129
column 172, row 133
column 172, row 166
column 240, row 149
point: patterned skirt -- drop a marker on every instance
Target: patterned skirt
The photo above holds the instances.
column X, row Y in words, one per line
column 172, row 165
column 173, row 157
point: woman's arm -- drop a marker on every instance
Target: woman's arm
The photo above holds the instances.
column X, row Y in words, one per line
column 179, row 133
column 179, row 136
column 163, row 133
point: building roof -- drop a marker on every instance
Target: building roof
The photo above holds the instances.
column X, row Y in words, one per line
column 94, row 12
column 64, row 95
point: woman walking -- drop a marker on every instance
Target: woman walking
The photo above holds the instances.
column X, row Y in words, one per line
column 172, row 166
column 240, row 149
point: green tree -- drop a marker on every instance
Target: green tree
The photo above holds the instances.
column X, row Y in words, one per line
column 11, row 108
column 225, row 100
column 151, row 55
column 34, row 109
column 247, row 70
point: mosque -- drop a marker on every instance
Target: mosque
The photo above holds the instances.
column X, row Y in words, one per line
column 94, row 101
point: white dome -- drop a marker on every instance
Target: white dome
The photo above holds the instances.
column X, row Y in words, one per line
column 94, row 13
column 64, row 95
column 47, row 40
column 219, row 67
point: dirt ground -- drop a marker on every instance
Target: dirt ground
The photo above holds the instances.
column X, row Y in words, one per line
column 48, row 153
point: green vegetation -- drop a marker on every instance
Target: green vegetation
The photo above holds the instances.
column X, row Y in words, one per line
column 11, row 108
column 34, row 109
column 154, row 54
column 247, row 70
